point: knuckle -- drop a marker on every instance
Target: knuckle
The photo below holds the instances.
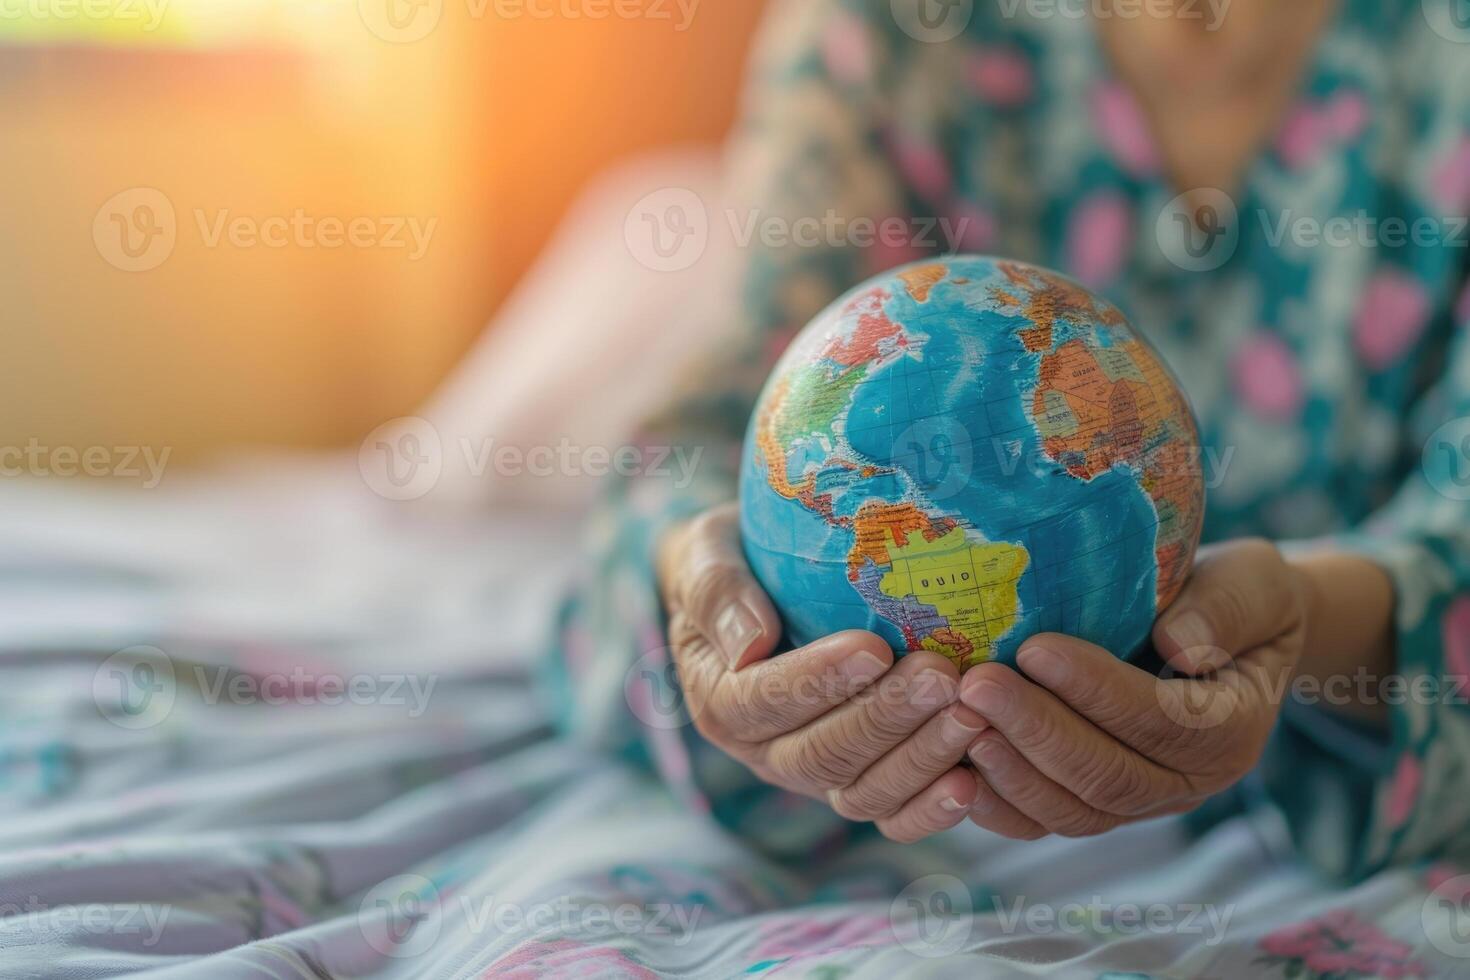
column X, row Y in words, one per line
column 900, row 832
column 1116, row 786
column 883, row 724
column 817, row 762
column 711, row 726
column 1230, row 611
column 1036, row 730
column 865, row 801
column 1084, row 822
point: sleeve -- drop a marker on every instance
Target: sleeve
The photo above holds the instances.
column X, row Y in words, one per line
column 1360, row 801
column 809, row 146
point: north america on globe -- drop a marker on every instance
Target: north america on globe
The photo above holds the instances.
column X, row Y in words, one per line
column 963, row 453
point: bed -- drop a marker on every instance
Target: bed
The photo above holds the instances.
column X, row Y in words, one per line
column 262, row 723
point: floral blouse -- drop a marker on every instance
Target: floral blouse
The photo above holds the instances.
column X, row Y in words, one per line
column 1318, row 317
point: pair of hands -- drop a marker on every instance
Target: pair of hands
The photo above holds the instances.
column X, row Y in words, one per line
column 1075, row 743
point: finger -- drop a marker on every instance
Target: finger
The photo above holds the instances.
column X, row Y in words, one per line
column 1020, row 784
column 940, row 806
column 999, row 817
column 1239, row 596
column 1176, row 723
column 883, row 789
column 712, row 585
column 835, row 749
column 774, row 697
column 1088, row 762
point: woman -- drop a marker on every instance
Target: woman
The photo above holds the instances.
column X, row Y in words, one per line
column 1319, row 370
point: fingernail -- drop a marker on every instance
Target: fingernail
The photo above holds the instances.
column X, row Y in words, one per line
column 736, row 629
column 951, row 805
column 1190, row 630
column 1047, row 666
column 954, row 732
column 860, row 668
column 986, row 754
column 987, row 697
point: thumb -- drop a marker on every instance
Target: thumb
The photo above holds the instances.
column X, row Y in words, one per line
column 1240, row 596
column 711, row 584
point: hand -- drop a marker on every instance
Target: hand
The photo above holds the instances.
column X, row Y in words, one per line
column 1084, row 742
column 835, row 719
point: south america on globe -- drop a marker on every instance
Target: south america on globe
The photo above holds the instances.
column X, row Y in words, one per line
column 960, row 454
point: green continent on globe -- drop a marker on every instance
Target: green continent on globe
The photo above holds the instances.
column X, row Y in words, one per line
column 1011, row 352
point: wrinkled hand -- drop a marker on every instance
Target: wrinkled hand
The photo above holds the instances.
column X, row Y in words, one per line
column 835, row 719
column 1084, row 742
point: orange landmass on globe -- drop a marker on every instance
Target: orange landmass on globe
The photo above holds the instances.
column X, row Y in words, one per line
column 921, row 280
column 1100, row 406
column 877, row 523
column 1048, row 298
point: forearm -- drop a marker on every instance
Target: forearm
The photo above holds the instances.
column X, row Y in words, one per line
column 1349, row 644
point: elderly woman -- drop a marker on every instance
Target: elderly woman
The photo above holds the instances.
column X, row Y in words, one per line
column 1320, row 366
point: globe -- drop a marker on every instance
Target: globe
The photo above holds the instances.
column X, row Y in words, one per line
column 960, row 454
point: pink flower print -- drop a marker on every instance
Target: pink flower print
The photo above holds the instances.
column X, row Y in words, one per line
column 1001, row 76
column 1123, row 129
column 1340, row 944
column 1393, row 313
column 924, row 167
column 564, row 958
column 1267, row 377
column 1347, row 116
column 1450, row 178
column 847, row 49
column 1311, row 128
column 806, row 936
column 1403, row 792
column 1440, row 875
column 1098, row 238
column 1456, row 635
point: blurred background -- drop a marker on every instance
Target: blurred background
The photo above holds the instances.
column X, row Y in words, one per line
column 250, row 223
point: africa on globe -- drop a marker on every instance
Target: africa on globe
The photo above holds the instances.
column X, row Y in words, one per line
column 962, row 453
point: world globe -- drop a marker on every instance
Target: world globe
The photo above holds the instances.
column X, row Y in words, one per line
column 959, row 454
